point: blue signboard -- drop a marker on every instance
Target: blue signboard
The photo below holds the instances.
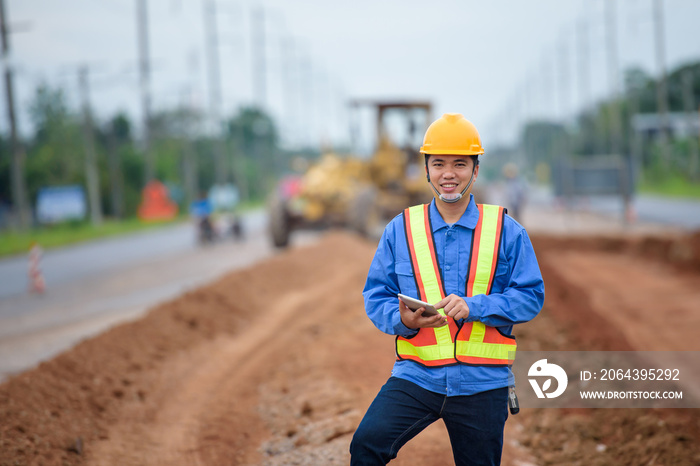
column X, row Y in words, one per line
column 61, row 203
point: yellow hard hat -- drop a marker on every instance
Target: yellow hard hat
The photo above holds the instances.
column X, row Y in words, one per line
column 452, row 134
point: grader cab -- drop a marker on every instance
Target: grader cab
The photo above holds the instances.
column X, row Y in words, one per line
column 361, row 194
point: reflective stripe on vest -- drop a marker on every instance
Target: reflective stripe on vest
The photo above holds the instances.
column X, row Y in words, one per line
column 474, row 343
column 434, row 346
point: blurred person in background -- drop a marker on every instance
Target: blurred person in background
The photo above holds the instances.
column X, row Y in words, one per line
column 515, row 191
column 201, row 211
column 477, row 266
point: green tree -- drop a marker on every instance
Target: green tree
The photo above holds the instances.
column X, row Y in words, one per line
column 178, row 149
column 123, row 180
column 55, row 155
column 5, row 168
column 255, row 137
column 544, row 141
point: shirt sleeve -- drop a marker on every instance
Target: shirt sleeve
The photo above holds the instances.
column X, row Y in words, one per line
column 523, row 294
column 382, row 287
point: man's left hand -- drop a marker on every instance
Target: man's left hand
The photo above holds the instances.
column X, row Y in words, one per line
column 454, row 307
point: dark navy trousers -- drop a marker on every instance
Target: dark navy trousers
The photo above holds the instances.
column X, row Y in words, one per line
column 402, row 409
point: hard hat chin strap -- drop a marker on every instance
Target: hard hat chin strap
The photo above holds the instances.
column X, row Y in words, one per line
column 453, row 197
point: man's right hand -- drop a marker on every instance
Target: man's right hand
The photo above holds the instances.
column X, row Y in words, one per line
column 416, row 319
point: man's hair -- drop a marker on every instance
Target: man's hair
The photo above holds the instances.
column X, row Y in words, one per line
column 475, row 158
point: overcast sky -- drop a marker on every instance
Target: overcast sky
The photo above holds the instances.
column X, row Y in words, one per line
column 494, row 61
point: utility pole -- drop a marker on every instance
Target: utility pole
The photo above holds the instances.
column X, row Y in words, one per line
column 542, row 93
column 91, row 174
column 19, row 190
column 259, row 58
column 565, row 146
column 556, row 84
column 633, row 90
column 583, row 64
column 287, row 49
column 584, row 76
column 116, row 177
column 548, row 100
column 564, row 80
column 238, row 159
column 661, row 89
column 215, row 95
column 613, row 78
column 307, row 95
column 692, row 113
column 323, row 108
column 521, row 105
column 145, row 85
column 189, row 160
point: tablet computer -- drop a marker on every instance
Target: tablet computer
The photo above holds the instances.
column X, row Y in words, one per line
column 413, row 304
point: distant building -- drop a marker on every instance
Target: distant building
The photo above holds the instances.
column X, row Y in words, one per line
column 679, row 124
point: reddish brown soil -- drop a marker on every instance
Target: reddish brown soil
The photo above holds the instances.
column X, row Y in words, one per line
column 276, row 364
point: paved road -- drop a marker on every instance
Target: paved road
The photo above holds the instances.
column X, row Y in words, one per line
column 93, row 286
column 662, row 212
column 683, row 213
column 66, row 265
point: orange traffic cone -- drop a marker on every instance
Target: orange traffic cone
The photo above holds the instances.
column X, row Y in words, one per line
column 36, row 278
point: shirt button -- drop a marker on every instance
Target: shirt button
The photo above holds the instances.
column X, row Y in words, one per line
column 447, row 267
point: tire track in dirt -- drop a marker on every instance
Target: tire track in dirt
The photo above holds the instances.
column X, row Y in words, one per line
column 197, row 386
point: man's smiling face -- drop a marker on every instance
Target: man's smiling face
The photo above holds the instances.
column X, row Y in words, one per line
column 450, row 174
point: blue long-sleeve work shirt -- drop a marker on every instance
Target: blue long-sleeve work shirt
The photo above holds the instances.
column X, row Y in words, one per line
column 517, row 294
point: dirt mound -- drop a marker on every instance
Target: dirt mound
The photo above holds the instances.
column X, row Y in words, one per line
column 277, row 363
column 573, row 319
column 680, row 250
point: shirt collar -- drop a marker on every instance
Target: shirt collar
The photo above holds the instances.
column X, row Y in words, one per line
column 469, row 218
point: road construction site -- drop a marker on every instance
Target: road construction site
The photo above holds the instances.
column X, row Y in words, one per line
column 275, row 363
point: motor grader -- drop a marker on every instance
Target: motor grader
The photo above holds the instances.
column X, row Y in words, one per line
column 361, row 194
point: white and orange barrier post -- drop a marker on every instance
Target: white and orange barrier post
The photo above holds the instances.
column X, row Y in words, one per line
column 36, row 278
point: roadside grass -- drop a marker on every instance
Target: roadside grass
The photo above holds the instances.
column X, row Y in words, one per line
column 16, row 242
column 670, row 186
column 64, row 234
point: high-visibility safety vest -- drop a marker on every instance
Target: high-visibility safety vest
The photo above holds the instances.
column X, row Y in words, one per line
column 474, row 343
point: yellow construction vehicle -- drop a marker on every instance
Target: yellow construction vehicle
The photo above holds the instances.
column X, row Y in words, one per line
column 351, row 192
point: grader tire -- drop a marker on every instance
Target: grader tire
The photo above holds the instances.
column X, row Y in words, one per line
column 280, row 226
column 364, row 213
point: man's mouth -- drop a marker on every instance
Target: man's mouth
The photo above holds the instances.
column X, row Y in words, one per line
column 448, row 186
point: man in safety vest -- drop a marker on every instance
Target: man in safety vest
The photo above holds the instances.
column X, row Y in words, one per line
column 477, row 266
